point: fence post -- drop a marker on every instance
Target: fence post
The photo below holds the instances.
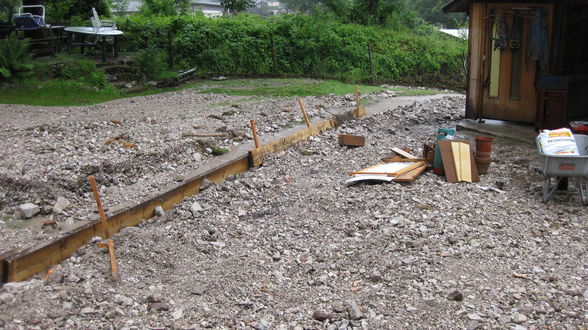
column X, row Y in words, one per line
column 372, row 75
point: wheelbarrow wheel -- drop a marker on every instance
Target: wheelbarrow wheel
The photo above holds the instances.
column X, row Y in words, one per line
column 583, row 183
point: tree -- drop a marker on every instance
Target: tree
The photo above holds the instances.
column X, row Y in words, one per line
column 119, row 6
column 431, row 11
column 236, row 6
column 7, row 9
column 61, row 11
column 163, row 7
column 303, row 6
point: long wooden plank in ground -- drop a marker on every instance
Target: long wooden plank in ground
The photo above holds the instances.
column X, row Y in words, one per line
column 20, row 266
column 282, row 144
column 29, row 262
column 411, row 175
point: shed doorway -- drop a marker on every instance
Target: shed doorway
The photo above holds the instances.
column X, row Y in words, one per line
column 509, row 91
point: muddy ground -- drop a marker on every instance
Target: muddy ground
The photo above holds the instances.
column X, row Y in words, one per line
column 289, row 246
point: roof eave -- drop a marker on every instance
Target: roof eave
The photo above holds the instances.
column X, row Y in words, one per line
column 457, row 6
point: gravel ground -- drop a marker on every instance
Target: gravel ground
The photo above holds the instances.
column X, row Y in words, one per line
column 134, row 147
column 289, row 246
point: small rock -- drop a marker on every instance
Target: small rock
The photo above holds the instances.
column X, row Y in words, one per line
column 354, row 312
column 321, row 316
column 455, row 295
column 88, row 310
column 159, row 211
column 158, row 307
column 28, row 210
column 195, row 208
column 472, row 325
column 198, row 290
column 519, row 318
column 339, row 307
column 276, row 256
column 60, row 205
column 177, row 314
column 6, row 298
column 474, row 317
column 154, row 299
column 123, row 300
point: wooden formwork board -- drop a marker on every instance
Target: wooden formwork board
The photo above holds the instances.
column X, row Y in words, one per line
column 24, row 264
column 19, row 266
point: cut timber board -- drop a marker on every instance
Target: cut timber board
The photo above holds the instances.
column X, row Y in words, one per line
column 389, row 169
column 20, row 266
column 447, row 158
column 403, row 153
column 351, row 140
column 411, row 175
column 26, row 263
column 257, row 155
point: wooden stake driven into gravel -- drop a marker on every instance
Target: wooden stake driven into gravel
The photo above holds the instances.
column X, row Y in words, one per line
column 357, row 97
column 254, row 132
column 304, row 112
column 108, row 243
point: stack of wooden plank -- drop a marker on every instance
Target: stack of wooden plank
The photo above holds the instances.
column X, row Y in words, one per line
column 458, row 161
column 402, row 168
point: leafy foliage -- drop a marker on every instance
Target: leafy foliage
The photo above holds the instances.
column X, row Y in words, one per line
column 60, row 11
column 431, row 11
column 297, row 45
column 164, row 7
column 7, row 9
column 236, row 6
column 14, row 55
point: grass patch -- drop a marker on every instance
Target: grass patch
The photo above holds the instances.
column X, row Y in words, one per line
column 71, row 93
column 219, row 151
column 55, row 93
column 401, row 91
column 285, row 87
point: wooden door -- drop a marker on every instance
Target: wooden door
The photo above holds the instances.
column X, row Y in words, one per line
column 508, row 88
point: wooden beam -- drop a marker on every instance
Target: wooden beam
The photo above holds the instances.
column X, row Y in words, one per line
column 411, row 175
column 304, row 112
column 404, row 153
column 351, row 140
column 20, row 266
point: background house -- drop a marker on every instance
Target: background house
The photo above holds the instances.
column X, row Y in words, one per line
column 527, row 60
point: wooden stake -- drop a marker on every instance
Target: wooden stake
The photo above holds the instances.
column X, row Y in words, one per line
column 357, row 98
column 99, row 204
column 254, row 131
column 304, row 112
column 110, row 243
column 112, row 257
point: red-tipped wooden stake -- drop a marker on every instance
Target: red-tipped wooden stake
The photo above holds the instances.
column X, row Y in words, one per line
column 254, row 132
column 304, row 112
column 109, row 243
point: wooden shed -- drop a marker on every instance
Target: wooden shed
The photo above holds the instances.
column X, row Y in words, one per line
column 527, row 60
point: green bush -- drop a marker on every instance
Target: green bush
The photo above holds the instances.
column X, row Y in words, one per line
column 14, row 58
column 151, row 62
column 296, row 45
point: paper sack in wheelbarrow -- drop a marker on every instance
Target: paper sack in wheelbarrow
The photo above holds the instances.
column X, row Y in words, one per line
column 555, row 167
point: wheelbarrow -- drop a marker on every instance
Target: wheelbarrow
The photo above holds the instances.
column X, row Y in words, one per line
column 556, row 167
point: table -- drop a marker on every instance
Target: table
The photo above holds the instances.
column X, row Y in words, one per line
column 101, row 33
